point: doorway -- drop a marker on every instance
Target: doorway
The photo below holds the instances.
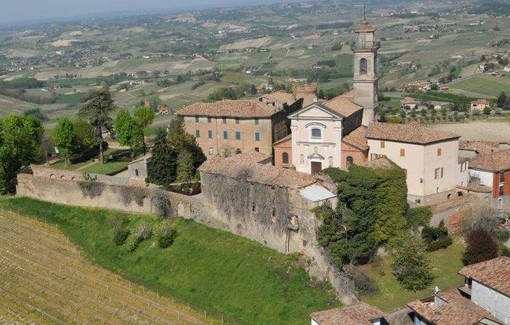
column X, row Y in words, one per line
column 316, row 167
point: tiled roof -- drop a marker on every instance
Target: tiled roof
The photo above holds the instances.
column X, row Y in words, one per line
column 494, row 162
column 247, row 166
column 343, row 105
column 481, row 147
column 231, row 108
column 281, row 96
column 308, row 98
column 493, row 273
column 407, row 100
column 358, row 314
column 379, row 163
column 412, row 132
column 286, row 141
column 357, row 138
column 456, row 310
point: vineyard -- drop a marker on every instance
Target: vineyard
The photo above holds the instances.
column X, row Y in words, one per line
column 45, row 280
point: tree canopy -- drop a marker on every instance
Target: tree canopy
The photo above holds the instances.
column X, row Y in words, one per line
column 64, row 138
column 20, row 143
column 480, row 247
column 128, row 131
column 162, row 166
column 410, row 265
column 96, row 111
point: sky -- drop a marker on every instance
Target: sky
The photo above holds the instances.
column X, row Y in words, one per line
column 30, row 10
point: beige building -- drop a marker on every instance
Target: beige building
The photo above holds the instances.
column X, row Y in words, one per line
column 429, row 158
column 234, row 126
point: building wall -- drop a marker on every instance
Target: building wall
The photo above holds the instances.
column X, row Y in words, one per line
column 359, row 156
column 279, row 149
column 494, row 302
column 303, row 146
column 421, row 163
column 217, row 144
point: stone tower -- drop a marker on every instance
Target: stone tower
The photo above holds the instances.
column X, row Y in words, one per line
column 365, row 75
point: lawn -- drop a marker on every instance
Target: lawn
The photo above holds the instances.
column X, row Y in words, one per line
column 483, row 84
column 75, row 98
column 111, row 167
column 227, row 275
column 445, row 265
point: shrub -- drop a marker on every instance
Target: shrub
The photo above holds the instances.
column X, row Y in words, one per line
column 363, row 283
column 166, row 235
column 417, row 217
column 119, row 231
column 502, row 235
column 480, row 247
column 411, row 267
column 441, row 243
column 142, row 233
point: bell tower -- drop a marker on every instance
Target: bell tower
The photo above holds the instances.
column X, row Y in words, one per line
column 365, row 73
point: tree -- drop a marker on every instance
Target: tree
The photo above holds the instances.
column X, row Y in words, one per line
column 410, row 265
column 144, row 116
column 84, row 136
column 96, row 111
column 63, row 138
column 162, row 166
column 179, row 139
column 480, row 247
column 500, row 102
column 128, row 131
column 20, row 143
column 185, row 169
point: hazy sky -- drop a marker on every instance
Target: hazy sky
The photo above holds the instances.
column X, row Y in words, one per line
column 26, row 10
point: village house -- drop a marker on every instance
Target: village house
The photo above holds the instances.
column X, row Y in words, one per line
column 408, row 103
column 493, row 171
column 357, row 314
column 479, row 105
column 429, row 158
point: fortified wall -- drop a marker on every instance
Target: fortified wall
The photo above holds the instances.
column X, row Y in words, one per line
column 262, row 203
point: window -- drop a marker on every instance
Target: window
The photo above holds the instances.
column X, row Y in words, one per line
column 209, row 134
column 224, row 120
column 501, row 190
column 316, row 133
column 363, row 66
column 382, row 145
column 136, row 172
column 197, row 119
column 238, row 135
column 257, row 149
column 439, row 152
column 197, row 133
column 256, row 121
column 285, row 158
column 349, row 161
column 237, row 120
column 257, row 136
column 238, row 151
column 225, row 135
column 438, row 173
column 502, row 177
column 402, row 152
column 208, row 120
column 211, row 151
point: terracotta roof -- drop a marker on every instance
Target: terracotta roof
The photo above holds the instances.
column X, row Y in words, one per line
column 284, row 141
column 364, row 27
column 456, row 310
column 494, row 162
column 357, row 138
column 412, row 132
column 230, row 108
column 343, row 105
column 378, row 163
column 348, row 94
column 246, row 166
column 493, row 273
column 308, row 98
column 407, row 100
column 281, row 96
column 473, row 187
column 480, row 101
column 358, row 314
column 482, row 147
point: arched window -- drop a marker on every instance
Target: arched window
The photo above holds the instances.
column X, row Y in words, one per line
column 136, row 172
column 238, row 151
column 316, row 133
column 363, row 66
column 285, row 158
column 350, row 160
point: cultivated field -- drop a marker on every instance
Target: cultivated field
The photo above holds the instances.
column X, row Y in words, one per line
column 479, row 130
column 44, row 280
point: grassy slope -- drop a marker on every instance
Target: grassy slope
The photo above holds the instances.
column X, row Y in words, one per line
column 483, row 84
column 445, row 265
column 210, row 269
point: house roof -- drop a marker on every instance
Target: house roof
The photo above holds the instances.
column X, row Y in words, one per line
column 407, row 100
column 493, row 162
column 364, row 27
column 494, row 273
column 456, row 310
column 247, row 166
column 284, row 142
column 357, row 314
column 412, row 132
column 480, row 102
column 378, row 163
column 281, row 96
column 357, row 138
column 231, row 108
column 316, row 193
column 344, row 105
column 318, row 105
column 481, row 147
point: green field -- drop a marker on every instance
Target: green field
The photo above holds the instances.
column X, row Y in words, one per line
column 483, row 85
column 445, row 264
column 227, row 275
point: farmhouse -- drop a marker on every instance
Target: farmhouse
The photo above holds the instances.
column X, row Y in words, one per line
column 479, row 105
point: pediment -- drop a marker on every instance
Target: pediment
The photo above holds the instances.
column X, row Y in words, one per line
column 315, row 110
